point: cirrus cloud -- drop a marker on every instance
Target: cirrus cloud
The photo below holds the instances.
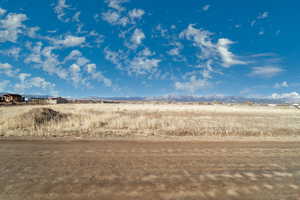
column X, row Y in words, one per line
column 266, row 71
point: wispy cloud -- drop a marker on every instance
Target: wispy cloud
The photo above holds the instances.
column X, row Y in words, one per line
column 8, row 70
column 141, row 64
column 284, row 84
column 119, row 15
column 70, row 41
column 291, row 95
column 210, row 50
column 192, row 85
column 266, row 71
column 206, row 7
column 60, row 8
column 263, row 15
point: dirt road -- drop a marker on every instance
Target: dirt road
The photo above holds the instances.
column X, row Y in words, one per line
column 144, row 170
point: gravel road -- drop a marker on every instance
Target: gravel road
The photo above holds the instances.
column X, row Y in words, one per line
column 139, row 169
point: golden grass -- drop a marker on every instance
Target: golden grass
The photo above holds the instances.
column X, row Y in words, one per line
column 101, row 120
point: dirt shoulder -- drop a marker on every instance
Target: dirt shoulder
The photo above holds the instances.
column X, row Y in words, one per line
column 149, row 169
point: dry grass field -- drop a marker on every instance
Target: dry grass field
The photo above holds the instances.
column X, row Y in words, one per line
column 130, row 120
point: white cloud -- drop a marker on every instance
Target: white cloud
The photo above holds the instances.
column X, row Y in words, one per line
column 227, row 57
column 266, row 71
column 209, row 50
column 74, row 55
column 174, row 52
column 78, row 77
column 115, row 18
column 71, row 41
column 116, row 4
column 77, row 56
column 11, row 27
column 35, row 82
column 75, row 74
column 206, row 7
column 75, row 68
column 292, row 95
column 45, row 59
column 101, row 78
column 36, row 53
column 137, row 38
column 284, row 84
column 192, row 85
column 98, row 76
column 143, row 65
column 115, row 57
column 136, row 13
column 2, row 11
column 263, row 15
column 13, row 21
column 13, row 52
column 118, row 14
column 8, row 70
column 41, row 83
column 51, row 64
column 32, row 32
column 23, row 76
column 60, row 8
column 201, row 39
column 90, row 68
column 82, row 61
column 146, row 52
column 25, row 81
column 163, row 32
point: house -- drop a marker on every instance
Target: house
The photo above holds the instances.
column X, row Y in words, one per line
column 12, row 98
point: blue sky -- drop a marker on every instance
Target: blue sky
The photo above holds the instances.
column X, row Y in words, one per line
column 150, row 48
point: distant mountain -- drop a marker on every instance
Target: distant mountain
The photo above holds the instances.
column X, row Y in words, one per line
column 212, row 98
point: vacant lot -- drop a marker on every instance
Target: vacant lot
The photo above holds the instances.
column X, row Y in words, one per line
column 135, row 170
column 128, row 120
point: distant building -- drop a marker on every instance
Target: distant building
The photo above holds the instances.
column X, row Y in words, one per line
column 43, row 101
column 12, row 98
column 57, row 100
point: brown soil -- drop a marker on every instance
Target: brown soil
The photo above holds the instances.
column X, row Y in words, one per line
column 170, row 170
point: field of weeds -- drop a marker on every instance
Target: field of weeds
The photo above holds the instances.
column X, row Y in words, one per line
column 129, row 120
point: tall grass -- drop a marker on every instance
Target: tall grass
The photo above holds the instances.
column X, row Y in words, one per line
column 101, row 120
